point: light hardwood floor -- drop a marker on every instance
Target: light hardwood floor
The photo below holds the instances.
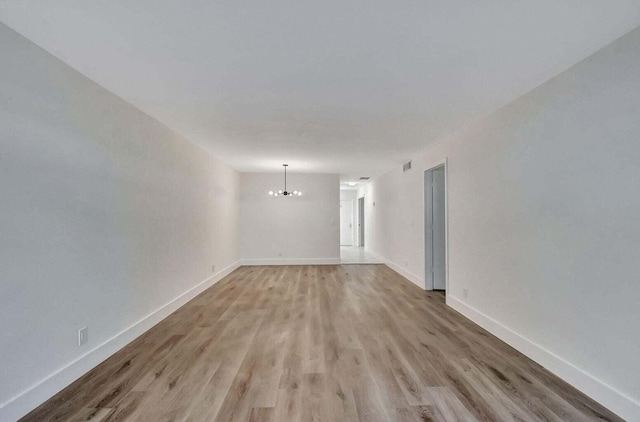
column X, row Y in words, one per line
column 322, row 343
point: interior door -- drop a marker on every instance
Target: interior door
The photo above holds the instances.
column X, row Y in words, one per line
column 435, row 229
column 439, row 252
column 346, row 222
column 361, row 222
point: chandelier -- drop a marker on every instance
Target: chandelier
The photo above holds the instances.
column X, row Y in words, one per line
column 285, row 192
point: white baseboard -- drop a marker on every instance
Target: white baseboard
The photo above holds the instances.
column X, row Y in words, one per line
column 417, row 280
column 292, row 261
column 616, row 401
column 37, row 394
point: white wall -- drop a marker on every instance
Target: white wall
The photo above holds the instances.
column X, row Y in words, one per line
column 544, row 224
column 301, row 230
column 105, row 217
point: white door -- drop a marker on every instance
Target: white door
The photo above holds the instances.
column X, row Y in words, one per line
column 346, row 223
column 435, row 241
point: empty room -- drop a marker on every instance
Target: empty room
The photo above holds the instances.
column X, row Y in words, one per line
column 319, row 211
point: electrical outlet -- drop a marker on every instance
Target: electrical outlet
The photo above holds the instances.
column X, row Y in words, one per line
column 213, row 268
column 465, row 293
column 83, row 336
column 406, row 263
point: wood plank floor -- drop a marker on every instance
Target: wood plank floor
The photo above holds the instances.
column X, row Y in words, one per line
column 321, row 343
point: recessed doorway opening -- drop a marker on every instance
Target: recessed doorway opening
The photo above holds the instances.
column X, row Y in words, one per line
column 352, row 238
column 361, row 222
column 435, row 228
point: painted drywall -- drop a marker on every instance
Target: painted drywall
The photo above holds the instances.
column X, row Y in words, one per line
column 108, row 220
column 300, row 230
column 544, row 223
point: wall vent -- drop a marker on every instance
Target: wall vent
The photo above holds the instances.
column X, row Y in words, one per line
column 406, row 166
column 365, row 178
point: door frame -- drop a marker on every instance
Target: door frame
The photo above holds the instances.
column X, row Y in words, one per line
column 428, row 281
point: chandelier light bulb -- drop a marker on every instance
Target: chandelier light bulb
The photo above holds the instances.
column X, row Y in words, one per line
column 271, row 193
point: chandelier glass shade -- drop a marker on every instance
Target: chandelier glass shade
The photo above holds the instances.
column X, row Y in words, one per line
column 285, row 193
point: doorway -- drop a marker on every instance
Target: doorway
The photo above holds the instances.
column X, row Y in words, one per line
column 346, row 222
column 435, row 225
column 352, row 244
column 361, row 222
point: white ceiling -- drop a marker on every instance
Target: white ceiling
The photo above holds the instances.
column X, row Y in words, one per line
column 335, row 86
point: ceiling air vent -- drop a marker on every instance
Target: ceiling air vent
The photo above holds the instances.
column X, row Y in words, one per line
column 365, row 178
column 406, row 166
